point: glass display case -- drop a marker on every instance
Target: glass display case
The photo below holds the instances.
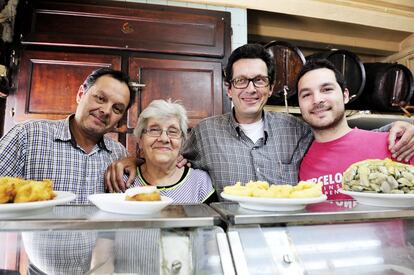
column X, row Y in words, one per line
column 341, row 237
column 326, row 238
column 75, row 239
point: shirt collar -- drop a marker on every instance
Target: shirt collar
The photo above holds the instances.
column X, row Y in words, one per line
column 66, row 135
column 236, row 126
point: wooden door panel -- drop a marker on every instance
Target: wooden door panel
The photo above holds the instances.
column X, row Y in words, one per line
column 197, row 84
column 49, row 81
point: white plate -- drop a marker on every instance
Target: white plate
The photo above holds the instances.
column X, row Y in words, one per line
column 15, row 209
column 116, row 203
column 270, row 204
column 380, row 199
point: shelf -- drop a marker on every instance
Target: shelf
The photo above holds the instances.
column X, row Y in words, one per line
column 87, row 217
column 356, row 118
column 321, row 213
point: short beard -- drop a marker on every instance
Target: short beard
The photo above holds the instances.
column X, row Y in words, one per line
column 332, row 125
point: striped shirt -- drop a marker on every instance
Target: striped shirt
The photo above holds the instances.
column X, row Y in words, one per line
column 45, row 149
column 194, row 187
column 219, row 146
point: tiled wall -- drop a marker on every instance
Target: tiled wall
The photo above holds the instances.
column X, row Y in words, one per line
column 238, row 17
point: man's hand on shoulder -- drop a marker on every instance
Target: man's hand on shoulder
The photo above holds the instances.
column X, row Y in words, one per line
column 114, row 174
column 401, row 141
column 181, row 162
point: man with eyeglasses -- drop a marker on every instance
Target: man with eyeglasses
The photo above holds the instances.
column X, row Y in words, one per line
column 247, row 143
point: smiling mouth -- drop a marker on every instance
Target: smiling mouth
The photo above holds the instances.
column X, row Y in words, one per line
column 317, row 111
column 163, row 148
column 250, row 99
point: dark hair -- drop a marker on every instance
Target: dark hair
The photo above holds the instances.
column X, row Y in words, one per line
column 118, row 75
column 250, row 51
column 318, row 63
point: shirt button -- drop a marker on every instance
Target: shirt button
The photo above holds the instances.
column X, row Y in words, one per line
column 258, row 169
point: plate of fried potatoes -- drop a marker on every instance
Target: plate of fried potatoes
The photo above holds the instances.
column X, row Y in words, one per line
column 260, row 195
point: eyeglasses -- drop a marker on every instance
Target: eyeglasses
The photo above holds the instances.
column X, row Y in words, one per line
column 258, row 82
column 157, row 132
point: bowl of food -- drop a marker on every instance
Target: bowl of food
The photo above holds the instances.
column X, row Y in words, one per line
column 378, row 182
column 135, row 201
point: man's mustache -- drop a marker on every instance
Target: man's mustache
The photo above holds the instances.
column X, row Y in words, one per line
column 320, row 107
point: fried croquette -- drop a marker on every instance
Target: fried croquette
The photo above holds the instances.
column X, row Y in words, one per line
column 19, row 190
column 7, row 190
column 143, row 193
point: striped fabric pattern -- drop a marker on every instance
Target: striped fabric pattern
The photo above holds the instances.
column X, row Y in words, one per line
column 60, row 252
column 138, row 251
column 43, row 149
column 219, row 146
column 196, row 187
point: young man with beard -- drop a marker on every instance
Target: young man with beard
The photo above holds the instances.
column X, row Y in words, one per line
column 247, row 143
column 322, row 97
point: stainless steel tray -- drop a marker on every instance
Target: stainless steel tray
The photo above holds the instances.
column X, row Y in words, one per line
column 74, row 217
column 326, row 212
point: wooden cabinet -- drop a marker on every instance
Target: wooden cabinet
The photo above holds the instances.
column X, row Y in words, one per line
column 128, row 26
column 198, row 85
column 176, row 52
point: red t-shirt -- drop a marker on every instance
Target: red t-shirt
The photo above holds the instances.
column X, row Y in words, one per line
column 325, row 162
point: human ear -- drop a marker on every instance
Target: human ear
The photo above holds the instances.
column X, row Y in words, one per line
column 81, row 92
column 346, row 96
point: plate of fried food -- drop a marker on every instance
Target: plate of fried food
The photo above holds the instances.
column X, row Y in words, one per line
column 378, row 182
column 260, row 195
column 142, row 200
column 19, row 196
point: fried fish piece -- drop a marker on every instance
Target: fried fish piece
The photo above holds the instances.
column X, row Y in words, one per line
column 31, row 190
column 7, row 189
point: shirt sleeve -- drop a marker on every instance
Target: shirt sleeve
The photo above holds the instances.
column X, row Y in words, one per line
column 13, row 152
column 385, row 128
column 205, row 187
column 192, row 149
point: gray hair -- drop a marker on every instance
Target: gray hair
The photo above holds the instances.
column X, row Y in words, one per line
column 161, row 108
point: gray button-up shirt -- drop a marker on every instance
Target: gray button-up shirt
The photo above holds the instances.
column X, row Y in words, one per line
column 219, row 146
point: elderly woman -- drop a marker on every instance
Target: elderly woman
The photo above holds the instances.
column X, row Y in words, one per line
column 162, row 129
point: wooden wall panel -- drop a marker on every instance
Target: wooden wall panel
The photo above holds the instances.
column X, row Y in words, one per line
column 198, row 85
column 49, row 81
